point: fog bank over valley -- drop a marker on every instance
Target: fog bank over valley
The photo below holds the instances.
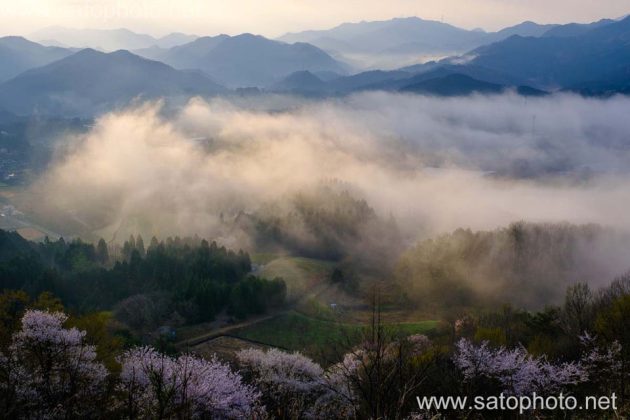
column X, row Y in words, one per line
column 433, row 164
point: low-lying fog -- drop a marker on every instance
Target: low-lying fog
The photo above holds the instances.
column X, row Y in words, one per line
column 433, row 164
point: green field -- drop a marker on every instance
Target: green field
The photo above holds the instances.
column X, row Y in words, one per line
column 324, row 321
column 300, row 274
column 318, row 338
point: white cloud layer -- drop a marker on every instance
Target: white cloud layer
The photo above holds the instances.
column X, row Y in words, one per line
column 434, row 164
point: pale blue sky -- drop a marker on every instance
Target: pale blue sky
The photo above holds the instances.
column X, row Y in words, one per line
column 275, row 17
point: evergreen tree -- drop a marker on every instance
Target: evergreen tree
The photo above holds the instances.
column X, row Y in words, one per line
column 140, row 245
column 154, row 244
column 102, row 253
column 127, row 250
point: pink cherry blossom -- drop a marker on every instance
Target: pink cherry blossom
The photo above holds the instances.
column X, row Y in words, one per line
column 159, row 385
column 51, row 370
column 294, row 386
column 518, row 372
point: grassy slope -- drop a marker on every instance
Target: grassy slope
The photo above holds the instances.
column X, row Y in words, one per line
column 300, row 274
column 316, row 337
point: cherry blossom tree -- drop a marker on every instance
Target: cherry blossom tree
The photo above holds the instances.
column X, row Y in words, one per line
column 383, row 373
column 293, row 386
column 601, row 363
column 154, row 385
column 49, row 371
column 516, row 371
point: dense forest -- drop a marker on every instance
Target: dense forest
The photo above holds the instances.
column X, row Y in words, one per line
column 174, row 281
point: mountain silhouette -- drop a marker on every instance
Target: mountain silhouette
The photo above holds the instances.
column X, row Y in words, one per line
column 18, row 54
column 91, row 81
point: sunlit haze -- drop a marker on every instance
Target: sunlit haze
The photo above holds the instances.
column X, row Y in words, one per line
column 314, row 209
column 275, row 17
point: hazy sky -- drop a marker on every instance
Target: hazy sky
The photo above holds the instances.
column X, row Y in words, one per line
column 275, row 17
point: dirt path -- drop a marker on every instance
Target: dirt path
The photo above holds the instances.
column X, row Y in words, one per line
column 230, row 329
column 226, row 331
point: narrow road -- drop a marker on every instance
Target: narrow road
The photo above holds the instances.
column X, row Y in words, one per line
column 227, row 330
column 230, row 329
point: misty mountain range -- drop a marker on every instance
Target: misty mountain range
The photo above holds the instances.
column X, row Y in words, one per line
column 106, row 40
column 405, row 39
column 600, row 53
column 246, row 60
column 18, row 54
column 412, row 38
column 90, row 82
column 530, row 59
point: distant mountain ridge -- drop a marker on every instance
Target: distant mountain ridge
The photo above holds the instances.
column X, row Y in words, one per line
column 441, row 81
column 552, row 62
column 594, row 62
column 456, row 84
column 530, row 59
column 246, row 59
column 405, row 38
column 384, row 35
column 108, row 39
column 527, row 28
column 302, row 81
column 90, row 82
column 18, row 54
column 576, row 29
